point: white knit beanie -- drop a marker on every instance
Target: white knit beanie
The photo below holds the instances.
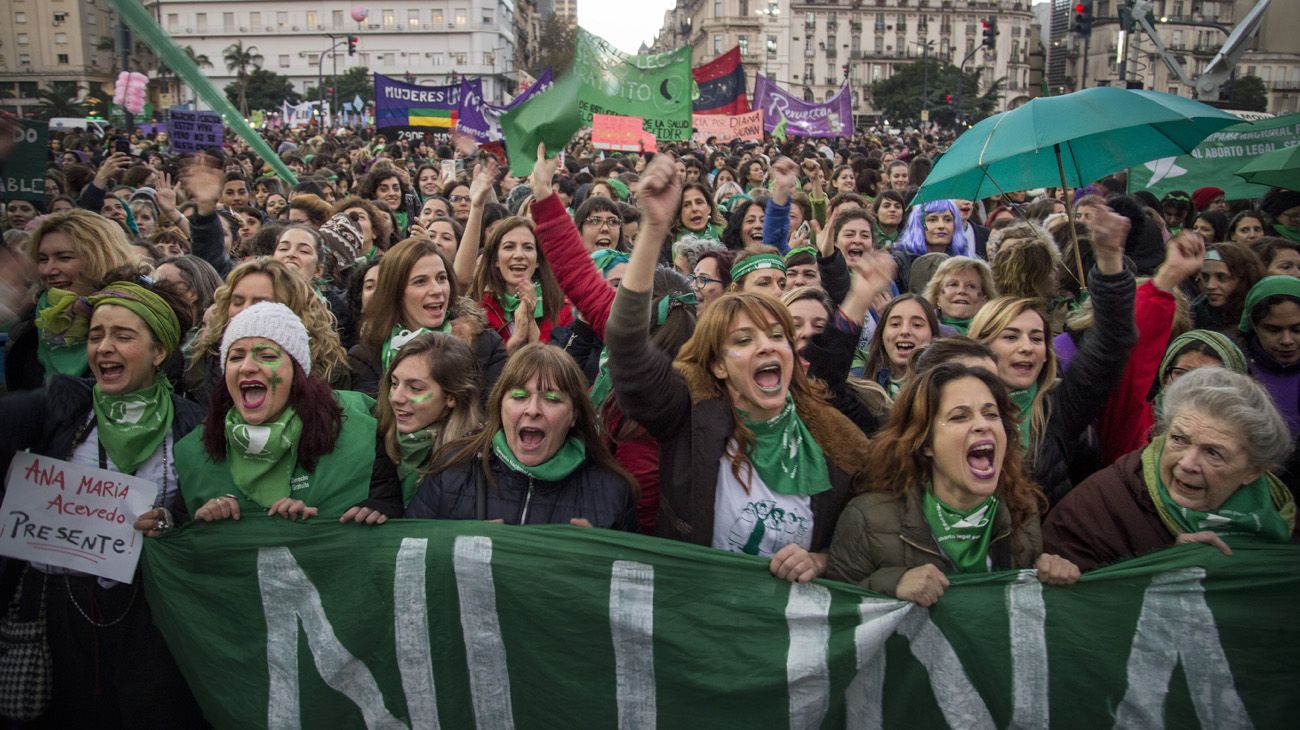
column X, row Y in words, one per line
column 272, row 321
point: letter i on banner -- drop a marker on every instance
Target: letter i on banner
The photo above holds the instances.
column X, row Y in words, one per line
column 78, row 517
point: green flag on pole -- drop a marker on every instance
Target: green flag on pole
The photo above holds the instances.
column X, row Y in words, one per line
column 655, row 87
column 464, row 624
column 550, row 117
column 136, row 16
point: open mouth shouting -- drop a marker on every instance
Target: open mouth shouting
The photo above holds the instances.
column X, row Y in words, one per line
column 769, row 378
column 109, row 372
column 981, row 459
column 854, row 251
column 252, row 394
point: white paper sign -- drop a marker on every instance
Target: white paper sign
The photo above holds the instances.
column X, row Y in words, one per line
column 59, row 513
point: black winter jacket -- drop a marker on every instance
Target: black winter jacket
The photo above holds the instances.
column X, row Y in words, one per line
column 591, row 492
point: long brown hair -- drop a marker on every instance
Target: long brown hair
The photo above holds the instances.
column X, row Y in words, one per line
column 876, row 357
column 998, row 315
column 384, row 310
column 453, row 366
column 697, row 356
column 900, row 466
column 555, row 370
column 488, row 279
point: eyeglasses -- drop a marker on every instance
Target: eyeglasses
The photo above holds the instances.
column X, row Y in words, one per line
column 597, row 222
column 699, row 281
column 459, row 198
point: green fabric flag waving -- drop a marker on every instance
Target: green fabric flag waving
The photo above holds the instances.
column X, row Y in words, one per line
column 426, row 624
column 655, row 87
column 550, row 117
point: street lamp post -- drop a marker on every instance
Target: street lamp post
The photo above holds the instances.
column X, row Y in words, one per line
column 925, row 79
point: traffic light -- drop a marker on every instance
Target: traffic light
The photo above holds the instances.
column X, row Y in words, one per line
column 352, row 45
column 991, row 32
column 845, row 69
column 1081, row 19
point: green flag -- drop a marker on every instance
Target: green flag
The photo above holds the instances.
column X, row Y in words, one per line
column 550, row 117
column 463, row 624
column 779, row 131
column 1216, row 160
column 655, row 87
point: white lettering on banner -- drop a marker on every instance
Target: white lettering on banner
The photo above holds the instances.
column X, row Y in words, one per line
column 865, row 696
column 434, row 96
column 411, row 622
column 1176, row 625
column 961, row 705
column 1029, row 668
column 631, row 625
column 288, row 598
column 807, row 675
column 485, row 652
column 778, row 106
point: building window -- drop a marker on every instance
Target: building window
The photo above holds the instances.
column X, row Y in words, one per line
column 389, row 59
column 413, row 18
column 717, row 44
column 228, row 22
column 59, row 17
column 23, row 39
column 61, row 38
column 20, row 17
column 313, row 59
column 771, row 45
column 437, row 17
column 284, row 60
column 744, row 8
column 489, row 60
column 25, row 59
column 63, row 59
column 336, row 18
column 487, row 17
column 313, row 19
column 255, row 21
column 743, row 42
column 201, row 22
column 173, row 20
column 717, row 8
column 90, row 19
column 390, row 19
column 27, row 89
column 459, row 58
column 460, row 18
column 281, row 19
column 436, row 59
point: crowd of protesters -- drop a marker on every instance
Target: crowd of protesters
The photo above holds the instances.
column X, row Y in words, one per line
column 759, row 348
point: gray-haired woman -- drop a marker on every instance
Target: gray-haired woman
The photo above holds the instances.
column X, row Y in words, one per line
column 1205, row 479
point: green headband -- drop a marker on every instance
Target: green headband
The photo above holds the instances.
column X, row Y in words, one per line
column 1269, row 286
column 666, row 304
column 148, row 306
column 1228, row 352
column 606, row 259
column 1213, row 255
column 798, row 250
column 751, row 264
column 619, row 187
column 1178, row 197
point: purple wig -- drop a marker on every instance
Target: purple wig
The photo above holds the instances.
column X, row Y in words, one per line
column 913, row 239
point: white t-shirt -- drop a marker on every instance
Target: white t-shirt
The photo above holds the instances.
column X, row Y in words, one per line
column 760, row 522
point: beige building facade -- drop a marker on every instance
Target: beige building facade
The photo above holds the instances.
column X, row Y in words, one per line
column 43, row 42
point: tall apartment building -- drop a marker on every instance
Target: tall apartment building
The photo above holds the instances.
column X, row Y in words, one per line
column 806, row 44
column 427, row 43
column 47, row 41
column 567, row 9
column 1273, row 54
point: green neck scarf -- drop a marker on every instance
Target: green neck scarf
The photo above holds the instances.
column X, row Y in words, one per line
column 961, row 324
column 262, row 458
column 1263, row 509
column 133, row 426
column 964, row 535
column 563, row 463
column 400, row 336
column 785, row 454
column 1024, row 400
column 63, row 353
column 415, row 449
column 604, row 384
column 510, row 302
column 1291, row 233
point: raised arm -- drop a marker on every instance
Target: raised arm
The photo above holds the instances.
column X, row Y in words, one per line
column 480, row 189
column 776, row 219
column 207, row 236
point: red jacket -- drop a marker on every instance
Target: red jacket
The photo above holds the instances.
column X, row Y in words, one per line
column 1126, row 420
column 571, row 263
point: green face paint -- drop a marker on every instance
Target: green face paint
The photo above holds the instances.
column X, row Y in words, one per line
column 270, row 356
column 418, row 399
column 518, row 394
column 553, row 396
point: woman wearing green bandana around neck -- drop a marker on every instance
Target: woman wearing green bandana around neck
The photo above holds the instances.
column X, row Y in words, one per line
column 127, row 420
column 1206, row 479
column 538, row 460
column 952, row 495
column 72, row 252
column 752, row 458
column 958, row 288
column 758, row 269
column 276, row 438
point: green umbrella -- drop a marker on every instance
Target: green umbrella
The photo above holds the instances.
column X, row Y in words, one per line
column 1069, row 140
column 1279, row 168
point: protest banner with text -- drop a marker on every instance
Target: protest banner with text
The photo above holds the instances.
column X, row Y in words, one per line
column 1217, row 158
column 22, row 171
column 832, row 118
column 194, row 131
column 655, row 87
column 726, row 127
column 612, row 132
column 411, row 112
column 462, row 624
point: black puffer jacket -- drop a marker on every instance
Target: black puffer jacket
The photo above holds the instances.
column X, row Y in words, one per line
column 591, row 492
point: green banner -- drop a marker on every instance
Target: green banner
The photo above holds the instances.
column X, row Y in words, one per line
column 1216, row 160
column 22, row 171
column 142, row 22
column 460, row 624
column 655, row 87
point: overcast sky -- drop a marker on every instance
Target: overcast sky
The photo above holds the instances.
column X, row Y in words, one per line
column 625, row 24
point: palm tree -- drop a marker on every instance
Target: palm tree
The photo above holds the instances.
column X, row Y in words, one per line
column 238, row 59
column 60, row 100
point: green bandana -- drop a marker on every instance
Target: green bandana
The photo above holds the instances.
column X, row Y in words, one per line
column 1263, row 509
column 132, row 426
column 785, row 454
column 1024, row 400
column 1291, row 233
column 603, row 384
column 415, row 448
column 758, row 261
column 1269, row 286
column 156, row 313
column 400, row 336
column 262, row 458
column 510, row 302
column 800, row 250
column 961, row 324
column 61, row 345
column 964, row 535
column 563, row 463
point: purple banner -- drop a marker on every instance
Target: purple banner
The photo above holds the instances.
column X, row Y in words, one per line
column 481, row 120
column 834, row 118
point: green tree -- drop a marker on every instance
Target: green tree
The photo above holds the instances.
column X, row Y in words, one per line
column 555, row 47
column 358, row 81
column 60, row 99
column 240, row 59
column 1249, row 93
column 939, row 87
column 262, row 89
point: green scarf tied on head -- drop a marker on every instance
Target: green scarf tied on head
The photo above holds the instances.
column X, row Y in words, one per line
column 961, row 324
column 1024, row 400
column 400, row 336
column 1225, row 349
column 1263, row 509
column 1269, row 286
column 1291, row 233
column 61, row 344
column 510, row 302
column 750, row 264
column 606, row 259
column 964, row 535
column 561, row 464
column 786, row 456
column 132, row 426
column 415, row 449
column 262, row 457
column 146, row 305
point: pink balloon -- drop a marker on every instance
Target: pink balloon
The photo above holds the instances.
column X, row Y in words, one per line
column 360, row 13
